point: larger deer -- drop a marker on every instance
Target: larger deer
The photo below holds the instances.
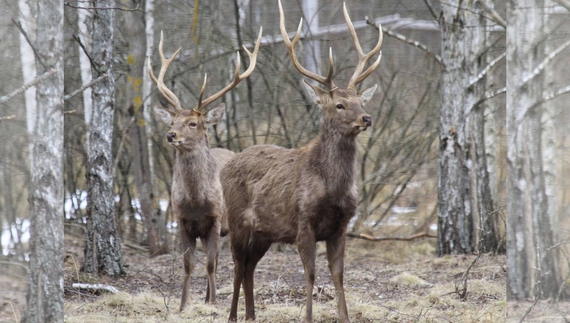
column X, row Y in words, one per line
column 300, row 195
column 197, row 199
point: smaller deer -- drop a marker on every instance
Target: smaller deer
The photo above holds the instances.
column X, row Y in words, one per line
column 197, row 198
column 302, row 195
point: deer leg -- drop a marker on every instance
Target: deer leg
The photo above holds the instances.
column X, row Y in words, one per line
column 239, row 250
column 335, row 257
column 306, row 242
column 188, row 247
column 210, row 243
column 259, row 247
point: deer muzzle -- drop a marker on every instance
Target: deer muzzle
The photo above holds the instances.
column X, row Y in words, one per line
column 367, row 120
column 170, row 136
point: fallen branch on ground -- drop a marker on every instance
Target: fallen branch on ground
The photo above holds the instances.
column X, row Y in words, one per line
column 96, row 287
column 369, row 237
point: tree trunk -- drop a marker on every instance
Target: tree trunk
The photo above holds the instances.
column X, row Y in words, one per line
column 455, row 225
column 532, row 270
column 155, row 225
column 102, row 248
column 45, row 290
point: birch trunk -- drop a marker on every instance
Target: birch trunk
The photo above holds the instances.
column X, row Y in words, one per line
column 28, row 68
column 455, row 226
column 45, row 290
column 102, row 247
column 531, row 260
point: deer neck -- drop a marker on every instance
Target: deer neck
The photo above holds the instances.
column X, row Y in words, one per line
column 196, row 171
column 335, row 154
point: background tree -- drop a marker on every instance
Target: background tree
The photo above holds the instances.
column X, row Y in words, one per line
column 45, row 290
column 534, row 245
column 102, row 247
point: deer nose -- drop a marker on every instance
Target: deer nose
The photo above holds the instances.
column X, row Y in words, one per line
column 367, row 120
column 170, row 136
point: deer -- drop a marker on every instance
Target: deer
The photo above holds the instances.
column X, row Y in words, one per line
column 302, row 195
column 196, row 192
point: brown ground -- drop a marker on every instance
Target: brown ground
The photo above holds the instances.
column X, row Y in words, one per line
column 384, row 281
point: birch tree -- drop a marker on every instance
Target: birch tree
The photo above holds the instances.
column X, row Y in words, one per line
column 465, row 204
column 45, row 291
column 102, row 247
column 532, row 257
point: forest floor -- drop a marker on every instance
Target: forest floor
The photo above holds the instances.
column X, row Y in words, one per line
column 384, row 282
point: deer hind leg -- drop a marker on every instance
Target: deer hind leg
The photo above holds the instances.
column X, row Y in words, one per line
column 239, row 242
column 335, row 257
column 258, row 247
column 210, row 243
column 307, row 245
column 188, row 247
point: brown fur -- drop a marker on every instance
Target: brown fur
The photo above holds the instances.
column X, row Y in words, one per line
column 297, row 196
column 197, row 198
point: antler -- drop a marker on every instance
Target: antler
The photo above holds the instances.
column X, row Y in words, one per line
column 327, row 81
column 166, row 93
column 358, row 76
column 237, row 77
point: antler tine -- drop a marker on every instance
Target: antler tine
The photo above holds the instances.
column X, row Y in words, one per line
column 358, row 75
column 237, row 77
column 291, row 48
column 197, row 109
column 166, row 93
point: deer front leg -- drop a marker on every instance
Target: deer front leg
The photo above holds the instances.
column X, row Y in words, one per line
column 306, row 242
column 335, row 257
column 188, row 247
column 210, row 243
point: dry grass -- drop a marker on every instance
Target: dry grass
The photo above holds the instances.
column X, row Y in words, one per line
column 385, row 282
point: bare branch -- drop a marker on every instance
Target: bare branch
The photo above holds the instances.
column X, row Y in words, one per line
column 540, row 67
column 42, row 78
column 431, row 9
column 78, row 40
column 107, row 8
column 19, row 26
column 487, row 69
column 406, row 40
column 368, row 237
column 493, row 14
column 7, row 118
column 96, row 287
column 83, row 88
column 564, row 3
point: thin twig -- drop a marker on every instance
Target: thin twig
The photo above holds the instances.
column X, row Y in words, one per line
column 493, row 14
column 542, row 65
column 93, row 65
column 367, row 237
column 529, row 309
column 107, row 8
column 36, row 54
column 463, row 283
column 42, row 78
column 487, row 69
column 406, row 40
column 83, row 88
column 7, row 117
column 123, row 135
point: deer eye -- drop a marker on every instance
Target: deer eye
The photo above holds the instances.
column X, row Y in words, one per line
column 192, row 124
column 340, row 106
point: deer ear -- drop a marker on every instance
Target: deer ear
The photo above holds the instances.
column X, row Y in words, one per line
column 315, row 92
column 164, row 114
column 366, row 95
column 215, row 115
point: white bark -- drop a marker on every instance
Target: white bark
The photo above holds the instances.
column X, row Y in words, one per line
column 28, row 67
column 83, row 17
column 45, row 289
column 147, row 82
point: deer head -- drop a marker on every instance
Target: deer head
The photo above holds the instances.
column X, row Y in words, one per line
column 188, row 128
column 342, row 108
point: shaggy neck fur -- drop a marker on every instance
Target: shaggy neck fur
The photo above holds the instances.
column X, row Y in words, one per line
column 197, row 169
column 335, row 155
